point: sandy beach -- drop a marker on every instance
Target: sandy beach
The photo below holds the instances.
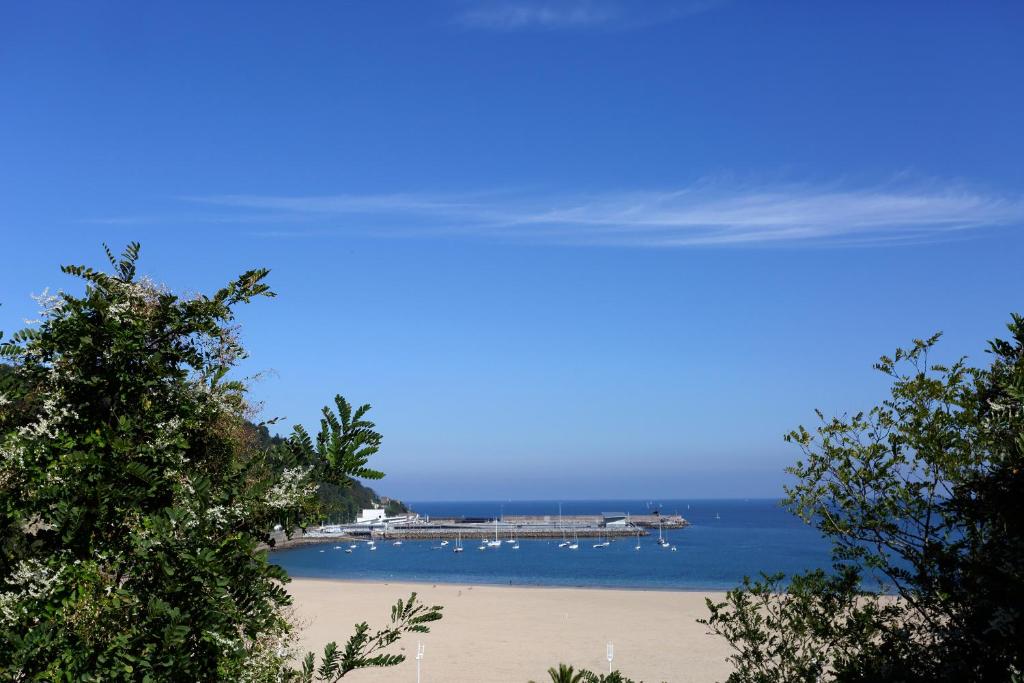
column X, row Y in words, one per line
column 512, row 634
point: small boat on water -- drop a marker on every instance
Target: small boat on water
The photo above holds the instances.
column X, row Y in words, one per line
column 575, row 542
column 353, row 546
column 496, row 543
column 458, row 545
column 565, row 541
column 397, row 543
column 637, row 539
column 348, row 550
column 444, row 543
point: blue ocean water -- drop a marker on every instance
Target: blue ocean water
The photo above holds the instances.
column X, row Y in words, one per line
column 727, row 540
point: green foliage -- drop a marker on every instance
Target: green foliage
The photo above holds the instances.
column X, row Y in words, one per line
column 613, row 677
column 364, row 649
column 335, row 503
column 567, row 674
column 794, row 632
column 134, row 493
column 395, row 508
column 922, row 493
column 342, row 448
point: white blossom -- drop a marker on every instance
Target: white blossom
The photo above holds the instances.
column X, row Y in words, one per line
column 293, row 487
column 32, row 580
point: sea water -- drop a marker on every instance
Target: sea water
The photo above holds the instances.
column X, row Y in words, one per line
column 726, row 540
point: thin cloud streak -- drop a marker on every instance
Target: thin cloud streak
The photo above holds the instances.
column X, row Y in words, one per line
column 511, row 16
column 525, row 15
column 702, row 215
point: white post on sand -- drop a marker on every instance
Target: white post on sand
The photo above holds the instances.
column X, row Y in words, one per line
column 611, row 656
column 419, row 658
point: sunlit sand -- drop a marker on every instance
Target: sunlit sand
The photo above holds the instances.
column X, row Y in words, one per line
column 513, row 634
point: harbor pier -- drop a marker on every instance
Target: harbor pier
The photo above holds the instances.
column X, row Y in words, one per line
column 522, row 527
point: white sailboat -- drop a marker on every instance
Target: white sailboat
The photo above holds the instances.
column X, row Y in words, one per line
column 458, row 544
column 444, row 543
column 565, row 541
column 662, row 541
column 575, row 542
column 638, row 539
column 496, row 543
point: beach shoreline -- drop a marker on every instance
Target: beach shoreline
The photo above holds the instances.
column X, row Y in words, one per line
column 512, row 634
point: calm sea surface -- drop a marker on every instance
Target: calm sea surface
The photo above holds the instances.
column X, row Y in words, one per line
column 712, row 554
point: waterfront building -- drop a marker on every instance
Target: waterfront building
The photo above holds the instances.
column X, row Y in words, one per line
column 614, row 519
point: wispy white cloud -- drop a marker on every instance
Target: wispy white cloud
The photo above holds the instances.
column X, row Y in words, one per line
column 703, row 214
column 514, row 15
column 510, row 16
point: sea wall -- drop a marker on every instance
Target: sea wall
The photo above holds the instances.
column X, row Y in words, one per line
column 520, row 527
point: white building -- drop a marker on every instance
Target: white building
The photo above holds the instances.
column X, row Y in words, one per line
column 371, row 516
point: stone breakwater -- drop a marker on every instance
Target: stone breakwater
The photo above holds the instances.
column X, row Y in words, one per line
column 524, row 528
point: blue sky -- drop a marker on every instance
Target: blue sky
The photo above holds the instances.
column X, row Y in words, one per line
column 566, row 249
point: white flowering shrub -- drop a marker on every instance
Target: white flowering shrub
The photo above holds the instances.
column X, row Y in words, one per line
column 134, row 494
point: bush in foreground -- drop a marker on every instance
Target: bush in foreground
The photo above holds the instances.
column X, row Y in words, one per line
column 922, row 494
column 134, row 494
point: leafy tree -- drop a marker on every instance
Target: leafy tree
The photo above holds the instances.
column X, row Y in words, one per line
column 920, row 497
column 334, row 503
column 134, row 494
